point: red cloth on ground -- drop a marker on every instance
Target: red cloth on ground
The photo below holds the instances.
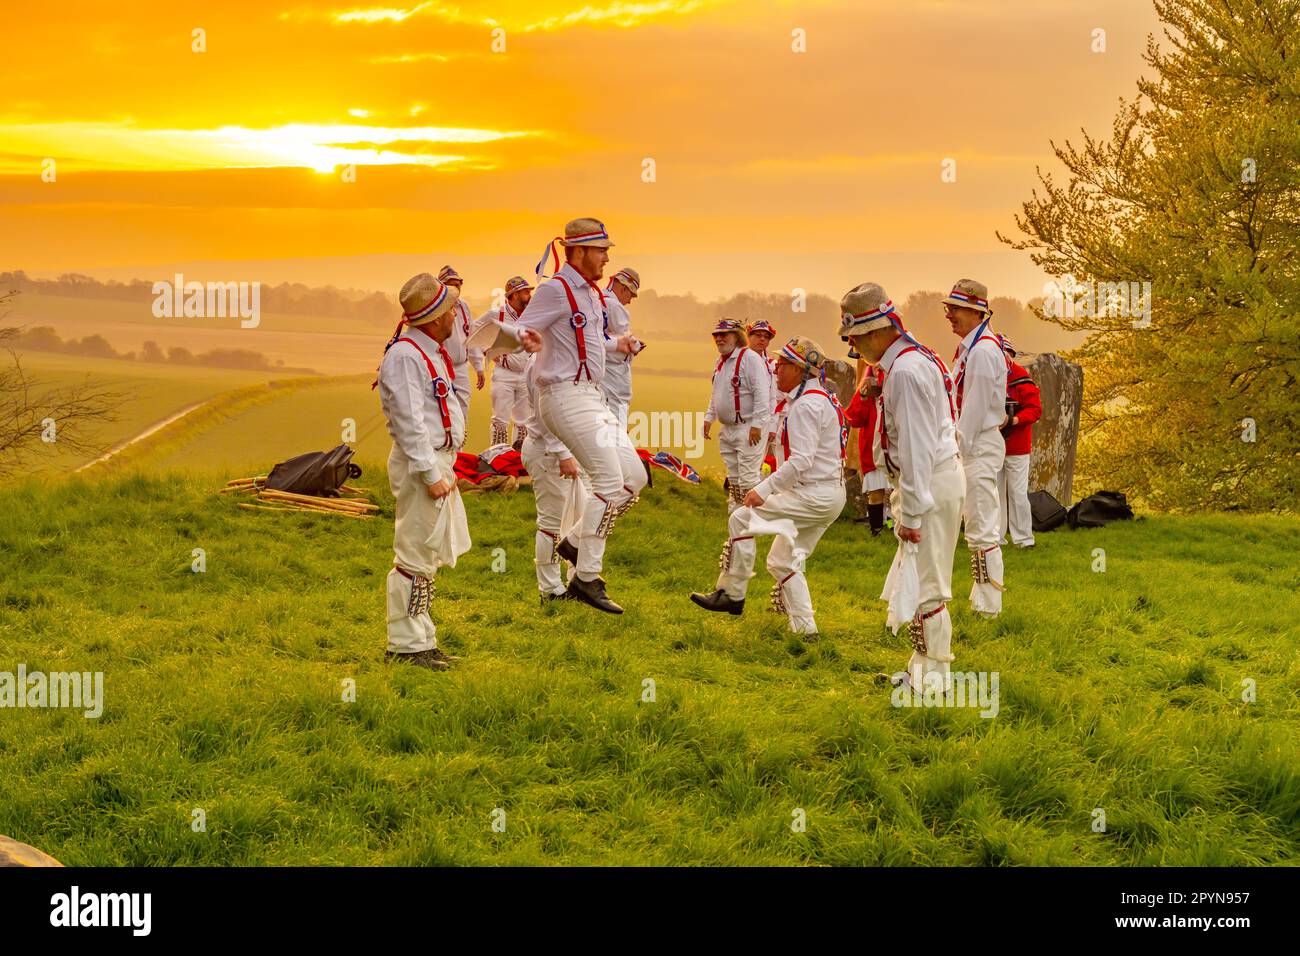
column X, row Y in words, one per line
column 1022, row 390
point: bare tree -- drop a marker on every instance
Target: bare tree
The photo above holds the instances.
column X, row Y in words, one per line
column 31, row 413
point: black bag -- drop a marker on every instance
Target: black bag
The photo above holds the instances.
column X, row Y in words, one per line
column 1048, row 513
column 319, row 473
column 1100, row 509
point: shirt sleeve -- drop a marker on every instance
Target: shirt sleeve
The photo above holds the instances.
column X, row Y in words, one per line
column 858, row 414
column 915, row 451
column 760, row 390
column 984, row 396
column 544, row 308
column 711, row 414
column 1031, row 404
column 803, row 425
column 402, row 385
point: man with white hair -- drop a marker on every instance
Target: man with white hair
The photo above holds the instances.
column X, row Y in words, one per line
column 617, row 384
column 919, row 446
column 567, row 314
column 509, row 392
column 741, row 403
column 427, row 425
column 797, row 502
column 980, row 376
column 461, row 355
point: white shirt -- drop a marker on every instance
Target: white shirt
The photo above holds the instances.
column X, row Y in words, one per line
column 617, row 385
column 461, row 327
column 520, row 358
column 812, row 430
column 549, row 314
column 755, row 390
column 412, row 411
column 919, row 430
column 773, row 423
column 981, row 367
column 533, row 423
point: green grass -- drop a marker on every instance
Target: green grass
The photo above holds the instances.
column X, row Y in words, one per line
column 223, row 692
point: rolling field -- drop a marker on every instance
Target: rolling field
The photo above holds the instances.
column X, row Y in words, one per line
column 225, row 692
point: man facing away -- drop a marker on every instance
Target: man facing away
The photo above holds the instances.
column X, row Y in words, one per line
column 741, row 404
column 797, row 502
column 509, row 393
column 980, row 377
column 427, row 425
column 919, row 447
column 567, row 313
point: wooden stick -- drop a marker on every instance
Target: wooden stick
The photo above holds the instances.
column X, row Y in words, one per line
column 316, row 507
column 338, row 503
column 301, row 509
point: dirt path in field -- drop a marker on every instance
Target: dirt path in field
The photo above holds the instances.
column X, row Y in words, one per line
column 155, row 427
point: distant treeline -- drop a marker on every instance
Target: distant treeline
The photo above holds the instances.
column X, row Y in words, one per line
column 43, row 338
column 287, row 297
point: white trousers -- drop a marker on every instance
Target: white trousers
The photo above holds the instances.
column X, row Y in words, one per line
column 509, row 400
column 983, row 517
column 812, row 508
column 931, row 629
column 744, row 461
column 416, row 516
column 575, row 412
column 1013, row 493
column 550, row 490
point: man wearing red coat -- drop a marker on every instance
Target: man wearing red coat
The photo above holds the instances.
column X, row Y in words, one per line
column 863, row 414
column 1024, row 407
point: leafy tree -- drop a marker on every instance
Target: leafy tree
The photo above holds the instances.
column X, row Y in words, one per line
column 1196, row 191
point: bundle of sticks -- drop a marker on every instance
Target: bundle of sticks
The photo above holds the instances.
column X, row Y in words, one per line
column 272, row 499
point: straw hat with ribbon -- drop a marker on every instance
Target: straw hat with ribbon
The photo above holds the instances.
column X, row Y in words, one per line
column 762, row 325
column 629, row 279
column 864, row 309
column 733, row 327
column 516, row 284
column 805, row 353
column 448, row 274
column 969, row 294
column 579, row 232
column 424, row 299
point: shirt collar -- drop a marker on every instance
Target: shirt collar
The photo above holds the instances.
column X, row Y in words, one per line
column 420, row 334
column 891, row 354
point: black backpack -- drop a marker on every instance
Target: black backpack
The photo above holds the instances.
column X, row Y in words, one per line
column 1100, row 509
column 1048, row 514
column 319, row 473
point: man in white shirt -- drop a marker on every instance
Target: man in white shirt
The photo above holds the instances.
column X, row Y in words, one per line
column 617, row 384
column 760, row 337
column 980, row 379
column 509, row 393
column 551, row 467
column 462, row 356
column 427, row 425
column 797, row 502
column 567, row 313
column 919, row 446
column 741, row 403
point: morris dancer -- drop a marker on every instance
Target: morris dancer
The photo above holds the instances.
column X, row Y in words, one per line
column 1024, row 407
column 741, row 402
column 568, row 312
column 797, row 502
column 456, row 348
column 617, row 384
column 428, row 427
column 980, row 374
column 509, row 392
column 549, row 465
column 863, row 414
column 760, row 337
column 919, row 448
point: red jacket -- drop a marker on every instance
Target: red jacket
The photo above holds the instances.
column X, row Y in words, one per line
column 862, row 414
column 1022, row 390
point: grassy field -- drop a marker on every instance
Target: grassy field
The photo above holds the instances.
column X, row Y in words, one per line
column 224, row 692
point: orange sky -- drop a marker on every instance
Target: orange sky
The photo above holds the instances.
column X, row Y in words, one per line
column 774, row 168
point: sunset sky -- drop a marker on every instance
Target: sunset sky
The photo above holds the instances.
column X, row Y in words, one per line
column 773, row 168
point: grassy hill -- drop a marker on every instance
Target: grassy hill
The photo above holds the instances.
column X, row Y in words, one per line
column 223, row 692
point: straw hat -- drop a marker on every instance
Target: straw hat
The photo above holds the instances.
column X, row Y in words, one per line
column 447, row 274
column 732, row 326
column 424, row 299
column 864, row 309
column 629, row 279
column 805, row 353
column 762, row 325
column 516, row 284
column 969, row 294
column 586, row 232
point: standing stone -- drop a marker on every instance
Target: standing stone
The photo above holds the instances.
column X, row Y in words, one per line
column 1056, row 434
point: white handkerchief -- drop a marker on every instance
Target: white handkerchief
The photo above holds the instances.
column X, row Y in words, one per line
column 902, row 586
column 450, row 536
column 575, row 507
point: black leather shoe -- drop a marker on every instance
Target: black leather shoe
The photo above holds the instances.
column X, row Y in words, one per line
column 568, row 551
column 562, row 596
column 718, row 601
column 593, row 593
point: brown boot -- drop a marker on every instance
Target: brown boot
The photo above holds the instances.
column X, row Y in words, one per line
column 426, row 659
column 443, row 656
